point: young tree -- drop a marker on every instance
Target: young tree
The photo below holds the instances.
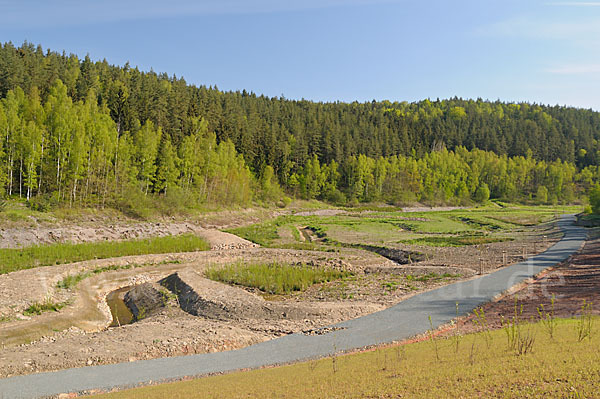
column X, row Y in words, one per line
column 146, row 142
column 482, row 194
column 166, row 167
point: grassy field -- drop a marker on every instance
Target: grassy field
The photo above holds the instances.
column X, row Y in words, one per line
column 486, row 224
column 273, row 278
column 482, row 365
column 46, row 255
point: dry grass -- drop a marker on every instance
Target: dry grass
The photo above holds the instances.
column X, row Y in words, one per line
column 558, row 367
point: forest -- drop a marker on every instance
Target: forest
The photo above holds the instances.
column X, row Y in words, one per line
column 87, row 133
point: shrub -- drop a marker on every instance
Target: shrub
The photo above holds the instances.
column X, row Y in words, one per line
column 595, row 199
column 483, row 193
column 541, row 195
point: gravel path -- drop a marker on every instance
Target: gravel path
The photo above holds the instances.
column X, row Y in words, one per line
column 404, row 320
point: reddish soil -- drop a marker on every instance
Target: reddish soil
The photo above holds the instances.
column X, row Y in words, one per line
column 571, row 283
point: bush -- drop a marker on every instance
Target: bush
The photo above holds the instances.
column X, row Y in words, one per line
column 43, row 203
column 284, row 202
column 335, row 196
column 132, row 202
column 595, row 199
column 541, row 195
column 482, row 194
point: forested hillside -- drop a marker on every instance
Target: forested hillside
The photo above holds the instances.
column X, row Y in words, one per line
column 91, row 133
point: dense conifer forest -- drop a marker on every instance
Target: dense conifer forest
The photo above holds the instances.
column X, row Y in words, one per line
column 87, row 133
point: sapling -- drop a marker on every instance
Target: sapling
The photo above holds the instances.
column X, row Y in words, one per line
column 481, row 321
column 457, row 335
column 547, row 318
column 437, row 355
column 584, row 324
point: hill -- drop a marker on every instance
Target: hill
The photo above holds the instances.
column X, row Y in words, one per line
column 88, row 132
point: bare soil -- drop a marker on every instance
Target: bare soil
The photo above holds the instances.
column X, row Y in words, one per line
column 78, row 335
column 18, row 237
column 571, row 283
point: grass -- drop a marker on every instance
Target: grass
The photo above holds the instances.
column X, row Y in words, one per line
column 273, row 278
column 261, row 233
column 37, row 308
column 388, row 226
column 454, row 241
column 72, row 280
column 560, row 367
column 46, row 255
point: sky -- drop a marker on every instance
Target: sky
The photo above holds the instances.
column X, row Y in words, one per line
column 336, row 50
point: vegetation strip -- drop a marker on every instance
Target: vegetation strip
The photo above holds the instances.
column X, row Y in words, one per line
column 273, row 278
column 382, row 230
column 72, row 280
column 46, row 255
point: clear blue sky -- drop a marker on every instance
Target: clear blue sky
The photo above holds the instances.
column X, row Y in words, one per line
column 327, row 50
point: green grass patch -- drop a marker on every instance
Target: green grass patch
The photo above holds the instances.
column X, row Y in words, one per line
column 385, row 226
column 474, row 366
column 46, row 255
column 454, row 241
column 261, row 233
column 37, row 308
column 72, row 280
column 273, row 278
column 295, row 232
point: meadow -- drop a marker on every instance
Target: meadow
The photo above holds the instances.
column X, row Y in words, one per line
column 493, row 222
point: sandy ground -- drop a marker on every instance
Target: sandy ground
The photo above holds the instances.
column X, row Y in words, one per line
column 17, row 237
column 78, row 335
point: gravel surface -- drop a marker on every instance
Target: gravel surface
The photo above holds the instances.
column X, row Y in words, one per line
column 407, row 319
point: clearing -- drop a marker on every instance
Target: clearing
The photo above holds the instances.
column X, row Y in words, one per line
column 381, row 256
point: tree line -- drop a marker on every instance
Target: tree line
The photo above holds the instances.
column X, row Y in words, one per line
column 72, row 152
column 79, row 131
column 62, row 151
